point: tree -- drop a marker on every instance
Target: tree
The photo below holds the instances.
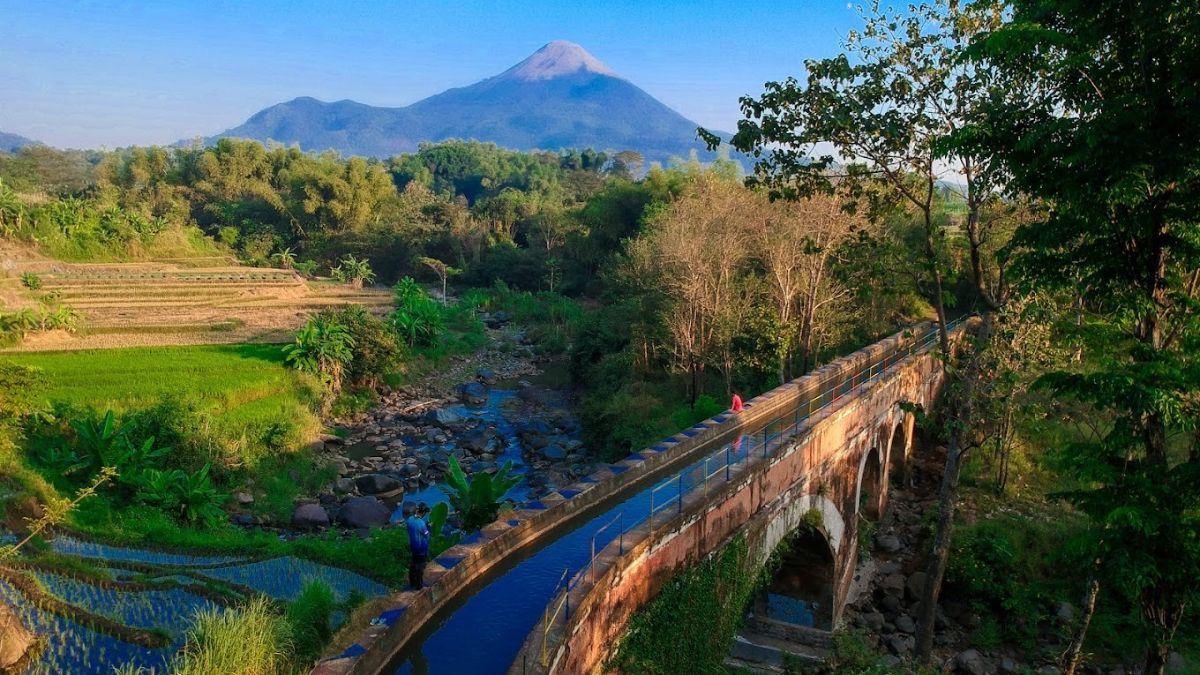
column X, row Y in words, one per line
column 478, row 501
column 354, row 271
column 1096, row 116
column 442, row 270
column 798, row 244
column 286, row 258
column 895, row 109
column 324, row 348
column 695, row 251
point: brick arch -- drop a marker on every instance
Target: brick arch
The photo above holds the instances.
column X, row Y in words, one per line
column 833, row 525
column 870, row 493
column 897, row 458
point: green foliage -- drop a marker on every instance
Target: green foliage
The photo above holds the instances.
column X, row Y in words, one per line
column 309, row 617
column 31, row 281
column 324, row 348
column 478, row 501
column 251, row 640
column 375, row 350
column 418, row 319
column 1078, row 119
column 354, row 271
column 689, row 627
column 437, row 522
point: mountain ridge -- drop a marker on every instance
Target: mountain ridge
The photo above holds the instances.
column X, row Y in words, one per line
column 559, row 97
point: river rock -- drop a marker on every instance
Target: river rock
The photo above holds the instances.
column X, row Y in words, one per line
column 486, row 376
column 443, row 417
column 310, row 517
column 475, row 440
column 1065, row 613
column 888, row 543
column 554, row 452
column 343, row 486
column 374, row 484
column 244, row 498
column 905, row 624
column 15, row 640
column 364, row 512
column 471, row 392
column 971, row 662
column 901, row 645
column 915, row 585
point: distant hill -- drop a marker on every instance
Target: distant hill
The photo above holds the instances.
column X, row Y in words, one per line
column 13, row 142
column 560, row 97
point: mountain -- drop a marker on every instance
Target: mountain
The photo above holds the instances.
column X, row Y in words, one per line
column 13, row 142
column 559, row 97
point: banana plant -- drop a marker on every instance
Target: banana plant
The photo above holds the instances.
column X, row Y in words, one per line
column 478, row 501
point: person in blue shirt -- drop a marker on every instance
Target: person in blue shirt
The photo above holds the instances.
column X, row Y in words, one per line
column 418, row 545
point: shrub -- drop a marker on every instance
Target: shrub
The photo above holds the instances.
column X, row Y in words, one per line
column 308, row 268
column 31, row 281
column 309, row 617
column 418, row 319
column 376, row 351
column 354, row 271
column 324, row 348
column 252, row 640
column 478, row 502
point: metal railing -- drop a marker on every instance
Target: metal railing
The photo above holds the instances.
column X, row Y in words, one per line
column 726, row 460
column 549, row 616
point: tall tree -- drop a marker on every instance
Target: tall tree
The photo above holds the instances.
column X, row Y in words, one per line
column 895, row 108
column 1097, row 116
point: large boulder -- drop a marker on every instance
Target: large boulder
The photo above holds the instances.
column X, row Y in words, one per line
column 475, row 440
column 473, row 393
column 888, row 543
column 375, row 484
column 915, row 585
column 443, row 417
column 310, row 517
column 364, row 512
column 971, row 662
column 15, row 639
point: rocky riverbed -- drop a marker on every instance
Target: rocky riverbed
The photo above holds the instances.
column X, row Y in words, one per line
column 886, row 597
column 503, row 404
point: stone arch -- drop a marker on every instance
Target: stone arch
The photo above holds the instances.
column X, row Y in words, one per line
column 802, row 590
column 796, row 512
column 899, row 449
column 871, row 491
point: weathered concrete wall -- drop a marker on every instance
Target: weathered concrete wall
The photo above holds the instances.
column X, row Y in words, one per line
column 820, row 469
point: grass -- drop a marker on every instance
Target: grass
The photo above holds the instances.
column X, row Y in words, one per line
column 253, row 640
column 244, row 388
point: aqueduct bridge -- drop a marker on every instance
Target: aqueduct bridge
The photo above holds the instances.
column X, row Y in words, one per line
column 551, row 587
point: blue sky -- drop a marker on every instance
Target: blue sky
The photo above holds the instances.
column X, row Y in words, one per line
column 110, row 74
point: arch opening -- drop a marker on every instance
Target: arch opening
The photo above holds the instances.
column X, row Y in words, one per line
column 801, row 589
column 870, row 487
column 898, row 460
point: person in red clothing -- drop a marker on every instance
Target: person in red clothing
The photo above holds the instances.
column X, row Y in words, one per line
column 737, row 404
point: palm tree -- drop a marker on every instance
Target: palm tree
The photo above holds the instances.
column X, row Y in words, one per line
column 324, row 348
column 354, row 271
column 286, row 258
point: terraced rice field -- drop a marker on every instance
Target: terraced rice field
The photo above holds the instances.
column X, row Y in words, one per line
column 135, row 606
column 171, row 303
